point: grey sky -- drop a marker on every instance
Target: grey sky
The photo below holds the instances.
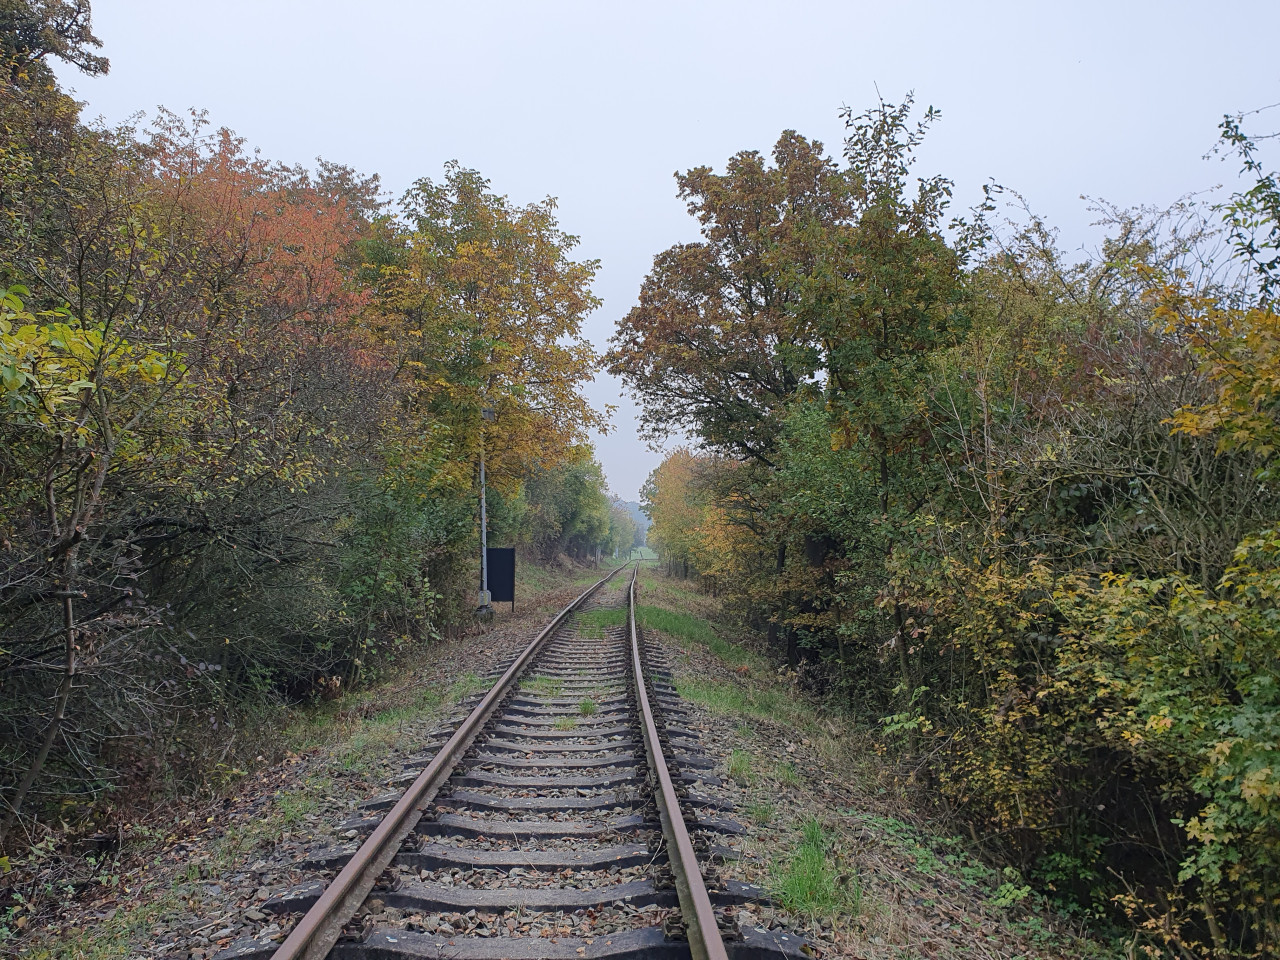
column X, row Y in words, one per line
column 599, row 103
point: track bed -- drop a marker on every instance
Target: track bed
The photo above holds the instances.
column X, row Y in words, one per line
column 571, row 814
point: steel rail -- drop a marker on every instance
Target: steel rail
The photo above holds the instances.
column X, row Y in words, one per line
column 321, row 926
column 705, row 942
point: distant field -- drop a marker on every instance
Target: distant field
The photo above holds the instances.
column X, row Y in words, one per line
column 643, row 553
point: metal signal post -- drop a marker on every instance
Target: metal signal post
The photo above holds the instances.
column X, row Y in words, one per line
column 485, row 609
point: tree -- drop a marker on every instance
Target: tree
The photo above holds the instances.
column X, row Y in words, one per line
column 890, row 296
column 891, row 290
column 81, row 395
column 488, row 307
column 1047, row 489
column 622, row 531
column 33, row 30
column 677, row 507
column 567, row 508
column 240, row 412
column 716, row 343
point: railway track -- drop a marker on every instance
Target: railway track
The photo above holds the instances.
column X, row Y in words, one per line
column 570, row 814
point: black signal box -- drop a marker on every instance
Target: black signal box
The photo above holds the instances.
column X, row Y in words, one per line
column 502, row 575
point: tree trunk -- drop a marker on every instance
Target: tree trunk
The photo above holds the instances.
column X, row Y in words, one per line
column 884, row 481
column 67, row 537
column 904, row 656
column 55, row 722
column 899, row 618
column 780, row 562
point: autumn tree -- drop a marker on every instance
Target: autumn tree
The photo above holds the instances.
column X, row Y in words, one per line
column 677, row 504
column 241, row 422
column 717, row 344
column 91, row 359
column 1028, row 519
column 814, row 281
column 31, row 31
column 489, row 308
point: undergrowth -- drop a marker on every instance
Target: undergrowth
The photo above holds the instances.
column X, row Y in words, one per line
column 809, row 882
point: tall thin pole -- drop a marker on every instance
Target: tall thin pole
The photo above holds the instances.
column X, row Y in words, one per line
column 484, row 534
column 487, row 415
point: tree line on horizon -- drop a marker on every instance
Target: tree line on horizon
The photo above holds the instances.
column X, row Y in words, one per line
column 242, row 406
column 1017, row 508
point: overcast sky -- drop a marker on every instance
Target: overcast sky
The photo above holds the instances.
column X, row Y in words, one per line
column 599, row 103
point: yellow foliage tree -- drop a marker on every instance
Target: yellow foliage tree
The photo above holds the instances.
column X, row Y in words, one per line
column 487, row 308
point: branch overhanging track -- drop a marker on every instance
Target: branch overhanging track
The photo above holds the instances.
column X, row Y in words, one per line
column 553, row 822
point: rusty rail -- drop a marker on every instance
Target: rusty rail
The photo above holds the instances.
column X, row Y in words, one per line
column 705, row 942
column 320, row 927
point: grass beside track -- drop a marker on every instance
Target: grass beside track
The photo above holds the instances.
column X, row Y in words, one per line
column 810, row 881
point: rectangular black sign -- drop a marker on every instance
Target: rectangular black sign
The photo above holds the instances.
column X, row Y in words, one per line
column 502, row 574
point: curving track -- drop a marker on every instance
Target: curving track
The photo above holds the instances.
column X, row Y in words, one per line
column 555, row 821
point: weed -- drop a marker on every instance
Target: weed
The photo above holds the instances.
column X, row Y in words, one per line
column 740, row 766
column 1034, row 929
column 593, row 623
column 786, row 775
column 465, row 686
column 1012, row 891
column 586, row 707
column 396, row 715
column 732, row 698
column 565, row 723
column 107, row 939
column 684, row 626
column 428, row 698
column 969, row 871
column 809, row 882
column 926, row 860
column 357, row 756
column 544, row 686
column 293, row 808
column 760, row 812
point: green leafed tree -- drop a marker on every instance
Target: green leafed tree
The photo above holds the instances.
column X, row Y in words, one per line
column 718, row 343
column 33, row 31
